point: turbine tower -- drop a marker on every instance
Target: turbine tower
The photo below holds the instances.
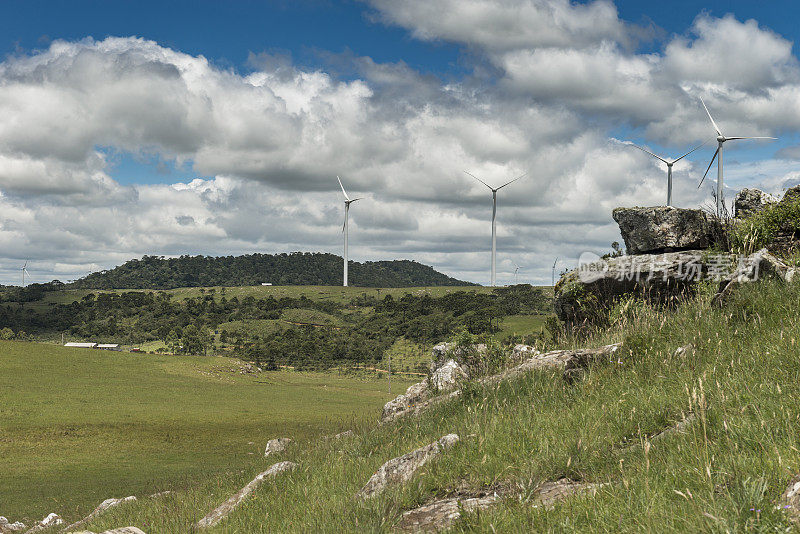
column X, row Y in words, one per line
column 494, row 219
column 347, row 202
column 516, row 269
column 720, row 139
column 24, row 272
column 669, row 166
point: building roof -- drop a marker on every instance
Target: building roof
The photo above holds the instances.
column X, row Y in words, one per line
column 81, row 345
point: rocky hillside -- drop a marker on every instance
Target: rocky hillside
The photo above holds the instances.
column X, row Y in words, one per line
column 669, row 420
column 298, row 268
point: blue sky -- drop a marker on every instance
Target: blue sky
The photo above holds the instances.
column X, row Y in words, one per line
column 118, row 139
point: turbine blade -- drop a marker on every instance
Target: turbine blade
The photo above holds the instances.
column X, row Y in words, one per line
column 645, row 150
column 512, row 181
column 343, row 191
column 692, row 150
column 481, row 181
column 710, row 117
column 730, row 138
column 359, row 198
column 709, row 167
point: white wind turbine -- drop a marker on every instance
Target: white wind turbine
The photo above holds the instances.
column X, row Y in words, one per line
column 516, row 270
column 494, row 219
column 347, row 202
column 24, row 272
column 669, row 166
column 720, row 139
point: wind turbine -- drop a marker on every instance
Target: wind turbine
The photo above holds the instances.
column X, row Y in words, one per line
column 669, row 166
column 720, row 139
column 24, row 272
column 494, row 219
column 347, row 202
column 516, row 269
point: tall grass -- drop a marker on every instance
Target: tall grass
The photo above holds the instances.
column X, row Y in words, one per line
column 741, row 385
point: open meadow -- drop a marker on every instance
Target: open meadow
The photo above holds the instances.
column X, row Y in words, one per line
column 78, row 426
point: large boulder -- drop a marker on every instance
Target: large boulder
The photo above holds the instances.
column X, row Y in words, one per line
column 401, row 469
column 587, row 293
column 415, row 394
column 447, row 377
column 7, row 526
column 664, row 229
column 751, row 201
column 465, row 356
column 752, row 268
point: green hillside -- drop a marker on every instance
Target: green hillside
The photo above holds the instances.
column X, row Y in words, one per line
column 725, row 473
column 297, row 268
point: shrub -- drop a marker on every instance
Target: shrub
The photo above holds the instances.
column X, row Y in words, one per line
column 761, row 229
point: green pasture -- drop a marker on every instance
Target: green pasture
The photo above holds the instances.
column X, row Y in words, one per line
column 78, row 425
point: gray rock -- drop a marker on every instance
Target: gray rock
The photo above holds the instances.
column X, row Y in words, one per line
column 277, row 445
column 7, row 526
column 569, row 361
column 441, row 514
column 402, row 468
column 223, row 510
column 51, row 520
column 446, row 377
column 664, row 229
column 102, row 507
column 754, row 267
column 748, row 202
column 683, row 352
column 415, row 394
column 585, row 294
column 342, row 435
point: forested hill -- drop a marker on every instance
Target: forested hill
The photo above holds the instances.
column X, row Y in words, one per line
column 297, row 268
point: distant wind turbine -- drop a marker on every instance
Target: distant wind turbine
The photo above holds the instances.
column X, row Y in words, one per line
column 720, row 139
column 347, row 202
column 494, row 219
column 669, row 166
column 516, row 269
column 24, row 272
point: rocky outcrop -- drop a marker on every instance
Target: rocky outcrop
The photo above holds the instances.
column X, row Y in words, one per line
column 222, row 511
column 441, row 514
column 52, row 520
column 102, row 507
column 664, row 229
column 277, row 445
column 748, row 202
column 414, row 395
column 751, row 268
column 7, row 526
column 446, row 377
column 569, row 361
column 402, row 468
column 585, row 294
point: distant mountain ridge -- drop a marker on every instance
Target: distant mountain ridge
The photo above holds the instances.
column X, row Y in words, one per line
column 296, row 268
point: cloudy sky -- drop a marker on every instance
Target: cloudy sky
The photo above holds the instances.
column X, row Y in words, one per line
column 131, row 128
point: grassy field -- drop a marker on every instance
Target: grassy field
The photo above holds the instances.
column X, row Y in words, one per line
column 724, row 474
column 79, row 426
